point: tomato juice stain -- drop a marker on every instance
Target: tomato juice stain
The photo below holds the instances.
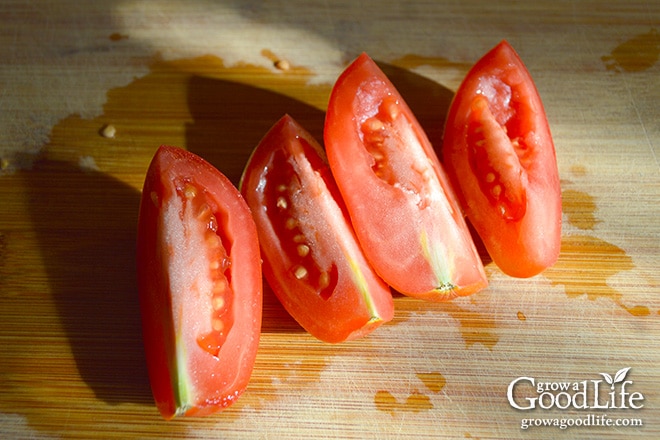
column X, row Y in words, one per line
column 434, row 381
column 386, row 402
column 475, row 327
column 635, row 55
column 415, row 402
column 578, row 170
column 579, row 208
column 216, row 111
column 637, row 310
column 595, row 261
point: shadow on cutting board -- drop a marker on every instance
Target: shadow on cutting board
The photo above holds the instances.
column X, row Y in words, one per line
column 86, row 225
column 230, row 118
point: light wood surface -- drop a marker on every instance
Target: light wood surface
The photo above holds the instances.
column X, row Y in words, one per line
column 203, row 75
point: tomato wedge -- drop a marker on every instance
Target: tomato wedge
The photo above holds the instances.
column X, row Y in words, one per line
column 401, row 204
column 200, row 285
column 311, row 257
column 499, row 152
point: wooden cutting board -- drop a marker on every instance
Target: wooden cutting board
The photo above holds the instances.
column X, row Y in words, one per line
column 71, row 360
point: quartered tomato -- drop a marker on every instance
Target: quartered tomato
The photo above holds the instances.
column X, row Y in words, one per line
column 311, row 257
column 402, row 206
column 499, row 152
column 200, row 285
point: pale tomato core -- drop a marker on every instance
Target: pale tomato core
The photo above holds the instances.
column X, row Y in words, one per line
column 192, row 225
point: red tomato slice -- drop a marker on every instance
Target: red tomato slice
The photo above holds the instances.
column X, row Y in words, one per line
column 200, row 285
column 498, row 150
column 312, row 259
column 403, row 209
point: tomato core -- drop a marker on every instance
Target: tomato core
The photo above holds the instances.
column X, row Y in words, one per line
column 387, row 137
column 281, row 188
column 213, row 275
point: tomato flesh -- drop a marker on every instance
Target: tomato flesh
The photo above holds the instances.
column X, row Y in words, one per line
column 401, row 204
column 312, row 259
column 199, row 280
column 499, row 153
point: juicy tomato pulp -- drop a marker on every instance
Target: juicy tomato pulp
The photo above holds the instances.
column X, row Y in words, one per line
column 312, row 259
column 200, row 285
column 403, row 209
column 499, row 152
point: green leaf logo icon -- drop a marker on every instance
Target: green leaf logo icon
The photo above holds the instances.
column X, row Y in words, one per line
column 618, row 377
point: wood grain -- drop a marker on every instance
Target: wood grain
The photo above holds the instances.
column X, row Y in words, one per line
column 71, row 360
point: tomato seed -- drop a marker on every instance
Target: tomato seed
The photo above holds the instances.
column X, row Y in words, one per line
column 154, row 198
column 218, row 325
column 218, row 303
column 373, row 129
column 281, row 188
column 373, row 124
column 282, row 203
column 303, row 250
column 490, row 177
column 282, row 65
column 324, row 280
column 212, row 240
column 291, row 223
column 219, row 286
column 378, row 155
column 108, row 131
column 298, row 238
column 300, row 272
column 204, row 212
column 189, row 191
column 390, row 108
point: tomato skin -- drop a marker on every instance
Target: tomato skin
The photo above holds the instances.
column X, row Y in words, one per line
column 402, row 206
column 311, row 258
column 195, row 235
column 499, row 152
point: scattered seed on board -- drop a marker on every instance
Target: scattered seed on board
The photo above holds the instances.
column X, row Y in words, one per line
column 108, row 131
column 282, row 65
